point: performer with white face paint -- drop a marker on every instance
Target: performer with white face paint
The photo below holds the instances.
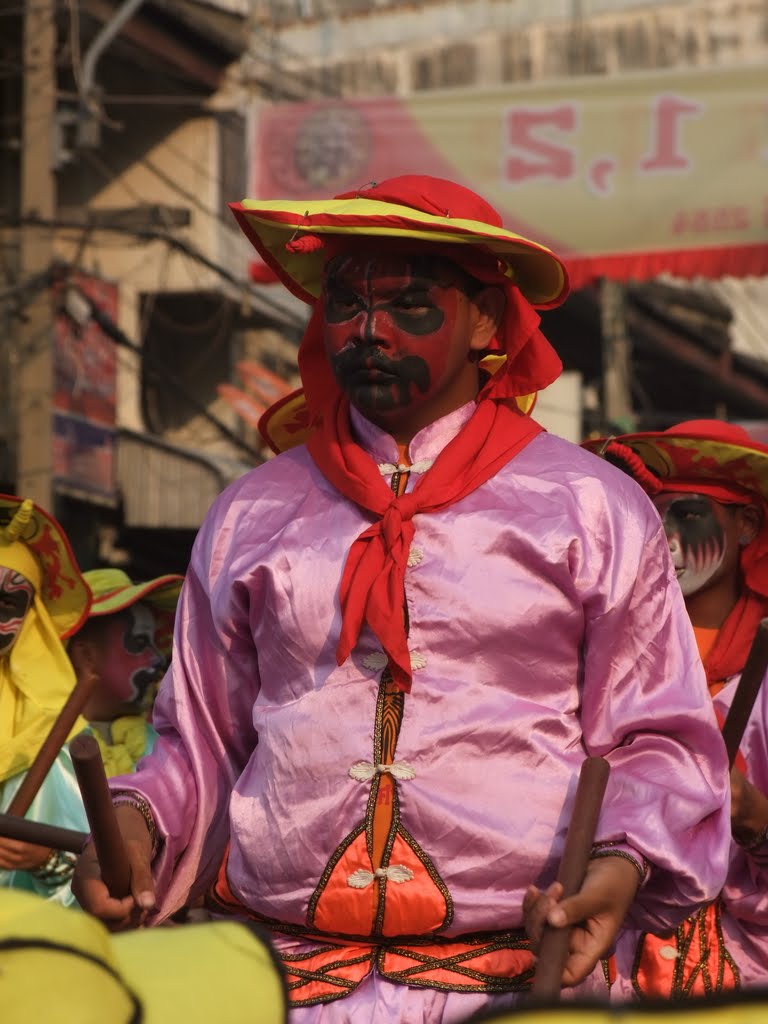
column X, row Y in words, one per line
column 16, row 594
column 704, row 537
column 43, row 598
column 709, row 482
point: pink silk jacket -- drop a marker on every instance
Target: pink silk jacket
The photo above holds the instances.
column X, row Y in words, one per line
column 545, row 624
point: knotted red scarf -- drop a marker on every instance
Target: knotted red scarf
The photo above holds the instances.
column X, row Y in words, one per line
column 373, row 581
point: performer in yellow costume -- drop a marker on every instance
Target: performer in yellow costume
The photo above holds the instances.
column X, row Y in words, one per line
column 43, row 599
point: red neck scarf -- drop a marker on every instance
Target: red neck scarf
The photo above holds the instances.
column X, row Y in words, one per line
column 373, row 581
column 734, row 639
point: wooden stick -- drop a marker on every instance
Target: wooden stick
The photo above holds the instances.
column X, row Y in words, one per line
column 553, row 951
column 51, row 745
column 42, row 835
column 746, row 692
column 107, row 838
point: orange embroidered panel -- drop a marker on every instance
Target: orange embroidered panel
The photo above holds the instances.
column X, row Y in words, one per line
column 489, row 963
column 421, row 905
column 691, row 961
column 379, row 881
column 326, row 973
column 336, row 906
column 503, row 963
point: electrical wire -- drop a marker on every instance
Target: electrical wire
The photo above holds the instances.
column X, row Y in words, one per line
column 269, row 307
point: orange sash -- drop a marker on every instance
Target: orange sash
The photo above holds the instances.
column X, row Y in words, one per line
column 491, row 962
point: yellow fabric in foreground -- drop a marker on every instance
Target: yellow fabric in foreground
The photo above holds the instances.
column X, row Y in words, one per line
column 65, row 967
column 36, row 679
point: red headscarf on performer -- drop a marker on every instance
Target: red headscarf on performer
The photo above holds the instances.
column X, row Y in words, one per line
column 373, row 581
column 729, row 653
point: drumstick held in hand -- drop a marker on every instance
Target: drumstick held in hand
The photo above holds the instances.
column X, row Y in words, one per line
column 553, row 951
column 107, row 838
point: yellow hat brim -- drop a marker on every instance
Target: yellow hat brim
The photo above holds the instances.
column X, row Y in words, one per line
column 162, row 593
column 271, row 224
column 671, row 456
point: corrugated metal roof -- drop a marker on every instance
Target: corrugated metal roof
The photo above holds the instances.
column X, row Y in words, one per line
column 167, row 487
column 747, row 299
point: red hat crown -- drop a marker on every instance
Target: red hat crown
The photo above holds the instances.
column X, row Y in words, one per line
column 436, row 196
column 728, row 433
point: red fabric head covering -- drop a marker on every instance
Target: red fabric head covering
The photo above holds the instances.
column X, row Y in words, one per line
column 531, row 365
column 729, row 653
column 372, row 587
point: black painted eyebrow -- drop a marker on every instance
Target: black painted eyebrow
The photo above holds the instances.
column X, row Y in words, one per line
column 690, row 503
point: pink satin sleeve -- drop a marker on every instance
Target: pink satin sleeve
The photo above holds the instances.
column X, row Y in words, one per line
column 667, row 795
column 203, row 717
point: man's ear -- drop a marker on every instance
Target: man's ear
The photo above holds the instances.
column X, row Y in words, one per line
column 490, row 303
column 751, row 522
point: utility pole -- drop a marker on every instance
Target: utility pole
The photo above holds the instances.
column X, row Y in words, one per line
column 617, row 356
column 34, row 368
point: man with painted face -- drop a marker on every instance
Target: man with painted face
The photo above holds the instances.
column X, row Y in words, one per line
column 397, row 641
column 709, row 482
column 43, row 598
column 126, row 643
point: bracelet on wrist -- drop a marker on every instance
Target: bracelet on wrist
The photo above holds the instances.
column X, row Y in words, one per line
column 609, row 849
column 127, row 799
column 57, row 869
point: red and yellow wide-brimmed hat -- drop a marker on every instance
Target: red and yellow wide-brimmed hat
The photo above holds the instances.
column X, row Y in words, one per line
column 113, row 590
column 287, row 423
column 690, row 454
column 290, row 235
column 61, row 586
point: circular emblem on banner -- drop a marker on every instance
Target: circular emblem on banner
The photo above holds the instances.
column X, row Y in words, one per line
column 329, row 151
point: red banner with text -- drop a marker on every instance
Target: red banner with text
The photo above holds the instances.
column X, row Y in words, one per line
column 625, row 177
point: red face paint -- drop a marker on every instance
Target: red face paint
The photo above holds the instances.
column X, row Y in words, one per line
column 16, row 594
column 397, row 331
column 129, row 662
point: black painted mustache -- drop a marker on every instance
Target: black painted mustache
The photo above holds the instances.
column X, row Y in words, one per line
column 405, row 373
column 352, row 360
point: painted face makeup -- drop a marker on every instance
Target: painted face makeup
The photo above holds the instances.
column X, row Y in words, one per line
column 16, row 594
column 396, row 330
column 698, row 530
column 131, row 662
